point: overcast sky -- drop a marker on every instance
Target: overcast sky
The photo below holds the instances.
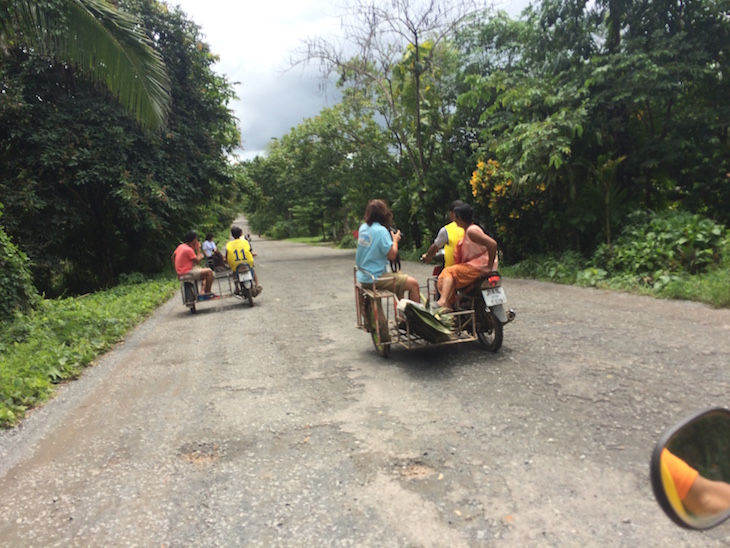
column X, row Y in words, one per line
column 254, row 41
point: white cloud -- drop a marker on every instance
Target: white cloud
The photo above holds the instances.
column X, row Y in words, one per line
column 254, row 41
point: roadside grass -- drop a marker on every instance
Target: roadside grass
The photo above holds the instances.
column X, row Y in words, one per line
column 55, row 342
column 711, row 287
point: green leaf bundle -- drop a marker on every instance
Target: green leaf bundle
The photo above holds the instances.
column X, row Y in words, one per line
column 424, row 323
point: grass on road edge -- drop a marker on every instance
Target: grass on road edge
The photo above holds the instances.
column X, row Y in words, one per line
column 63, row 336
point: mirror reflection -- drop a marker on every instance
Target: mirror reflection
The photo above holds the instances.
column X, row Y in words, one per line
column 691, row 470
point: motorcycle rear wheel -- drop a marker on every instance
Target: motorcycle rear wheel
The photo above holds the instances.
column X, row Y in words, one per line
column 489, row 330
column 245, row 294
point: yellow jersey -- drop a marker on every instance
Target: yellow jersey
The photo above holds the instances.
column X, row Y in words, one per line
column 238, row 251
column 455, row 233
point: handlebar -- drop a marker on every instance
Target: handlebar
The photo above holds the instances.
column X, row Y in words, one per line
column 438, row 258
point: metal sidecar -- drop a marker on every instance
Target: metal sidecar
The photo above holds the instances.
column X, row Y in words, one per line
column 226, row 283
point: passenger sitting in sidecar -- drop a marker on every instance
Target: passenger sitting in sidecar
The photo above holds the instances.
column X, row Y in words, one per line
column 186, row 258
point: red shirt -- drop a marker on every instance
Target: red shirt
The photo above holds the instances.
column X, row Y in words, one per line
column 185, row 259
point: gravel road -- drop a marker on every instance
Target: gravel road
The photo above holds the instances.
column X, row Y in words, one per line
column 279, row 425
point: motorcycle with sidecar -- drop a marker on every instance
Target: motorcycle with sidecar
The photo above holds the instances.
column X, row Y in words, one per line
column 479, row 314
column 228, row 283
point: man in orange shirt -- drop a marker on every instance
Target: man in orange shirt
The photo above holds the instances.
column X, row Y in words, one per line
column 699, row 495
column 186, row 256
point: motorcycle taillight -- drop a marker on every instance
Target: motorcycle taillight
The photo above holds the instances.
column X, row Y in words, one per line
column 494, row 280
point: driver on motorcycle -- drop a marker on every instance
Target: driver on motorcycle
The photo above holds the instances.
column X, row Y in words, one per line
column 447, row 238
column 475, row 255
column 238, row 251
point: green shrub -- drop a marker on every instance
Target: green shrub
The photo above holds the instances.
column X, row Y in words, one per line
column 60, row 337
column 653, row 246
column 673, row 255
column 17, row 292
column 712, row 288
column 560, row 269
column 348, row 241
column 591, row 277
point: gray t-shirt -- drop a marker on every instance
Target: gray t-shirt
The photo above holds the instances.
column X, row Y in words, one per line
column 442, row 238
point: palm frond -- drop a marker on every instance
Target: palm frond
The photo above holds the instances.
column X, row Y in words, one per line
column 106, row 44
column 424, row 323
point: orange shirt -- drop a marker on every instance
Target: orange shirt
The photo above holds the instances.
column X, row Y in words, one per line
column 185, row 259
column 682, row 473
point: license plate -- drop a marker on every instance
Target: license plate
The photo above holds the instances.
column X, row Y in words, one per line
column 494, row 296
column 245, row 276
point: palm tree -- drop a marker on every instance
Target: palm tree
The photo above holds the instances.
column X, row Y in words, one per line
column 108, row 46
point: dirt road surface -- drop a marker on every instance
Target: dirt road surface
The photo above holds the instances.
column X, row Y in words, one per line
column 279, row 425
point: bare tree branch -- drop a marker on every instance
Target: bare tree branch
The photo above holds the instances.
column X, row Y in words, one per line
column 387, row 50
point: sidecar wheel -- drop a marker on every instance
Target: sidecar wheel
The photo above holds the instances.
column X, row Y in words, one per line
column 379, row 333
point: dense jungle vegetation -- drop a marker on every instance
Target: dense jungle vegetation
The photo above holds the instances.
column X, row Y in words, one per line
column 594, row 131
column 88, row 193
column 591, row 138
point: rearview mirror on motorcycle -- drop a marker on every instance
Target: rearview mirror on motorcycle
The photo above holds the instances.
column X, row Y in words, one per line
column 690, row 470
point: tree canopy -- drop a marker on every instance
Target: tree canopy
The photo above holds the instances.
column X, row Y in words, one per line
column 556, row 125
column 106, row 44
column 88, row 194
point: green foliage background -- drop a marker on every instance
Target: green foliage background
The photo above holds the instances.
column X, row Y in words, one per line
column 591, row 110
column 57, row 340
column 17, row 292
column 88, row 194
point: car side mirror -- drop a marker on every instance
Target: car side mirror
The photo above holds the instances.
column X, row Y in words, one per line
column 690, row 470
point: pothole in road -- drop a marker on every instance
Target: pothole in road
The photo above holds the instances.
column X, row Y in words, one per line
column 415, row 470
column 201, row 453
